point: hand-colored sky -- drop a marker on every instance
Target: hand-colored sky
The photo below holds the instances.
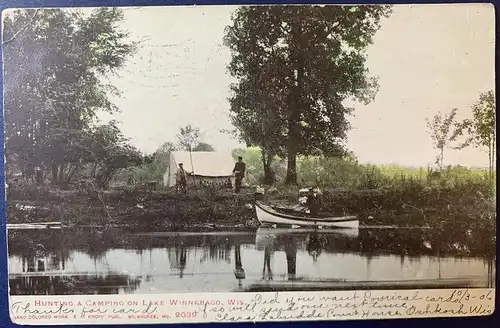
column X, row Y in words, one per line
column 429, row 58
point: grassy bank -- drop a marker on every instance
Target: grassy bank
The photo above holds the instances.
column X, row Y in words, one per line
column 454, row 208
column 420, row 206
column 133, row 208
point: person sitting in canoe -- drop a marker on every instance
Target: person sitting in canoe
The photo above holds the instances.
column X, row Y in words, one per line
column 313, row 202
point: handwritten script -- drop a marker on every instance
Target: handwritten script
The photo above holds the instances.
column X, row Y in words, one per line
column 364, row 305
column 245, row 307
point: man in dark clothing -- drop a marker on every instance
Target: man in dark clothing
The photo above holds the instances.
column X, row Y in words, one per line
column 180, row 178
column 313, row 202
column 239, row 173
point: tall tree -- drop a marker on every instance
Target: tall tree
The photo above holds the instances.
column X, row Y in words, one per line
column 162, row 154
column 188, row 138
column 295, row 66
column 161, row 160
column 255, row 114
column 111, row 153
column 154, row 168
column 54, row 61
column 444, row 131
column 203, row 146
column 481, row 127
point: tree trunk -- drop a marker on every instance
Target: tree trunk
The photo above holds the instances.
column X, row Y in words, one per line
column 55, row 171
column 71, row 173
column 441, row 159
column 492, row 158
column 291, row 170
column 490, row 168
column 493, row 149
column 108, row 178
column 268, row 172
column 293, row 138
column 294, row 104
column 104, row 176
column 60, row 179
column 39, row 176
column 265, row 165
column 94, row 170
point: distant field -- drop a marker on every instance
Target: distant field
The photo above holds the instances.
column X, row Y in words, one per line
column 349, row 174
column 421, row 173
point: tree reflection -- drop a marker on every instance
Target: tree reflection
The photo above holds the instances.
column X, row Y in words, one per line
column 216, row 253
column 50, row 251
column 239, row 272
column 76, row 284
column 177, row 258
column 42, row 262
column 291, row 259
column 410, row 242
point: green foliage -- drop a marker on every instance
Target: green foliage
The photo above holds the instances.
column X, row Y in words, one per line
column 348, row 174
column 295, row 66
column 443, row 130
column 151, row 170
column 188, row 138
column 154, row 169
column 54, row 61
column 203, row 146
column 252, row 157
column 482, row 127
column 112, row 153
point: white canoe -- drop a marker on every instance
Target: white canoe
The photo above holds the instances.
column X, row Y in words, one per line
column 269, row 216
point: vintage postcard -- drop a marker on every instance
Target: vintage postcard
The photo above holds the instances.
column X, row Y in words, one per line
column 249, row 163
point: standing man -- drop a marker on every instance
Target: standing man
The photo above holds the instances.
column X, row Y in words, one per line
column 239, row 173
column 180, row 179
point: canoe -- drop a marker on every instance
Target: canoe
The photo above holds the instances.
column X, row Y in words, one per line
column 267, row 215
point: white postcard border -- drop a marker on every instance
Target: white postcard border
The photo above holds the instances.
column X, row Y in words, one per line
column 250, row 307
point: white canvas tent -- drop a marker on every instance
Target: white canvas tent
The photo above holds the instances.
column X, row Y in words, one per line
column 206, row 166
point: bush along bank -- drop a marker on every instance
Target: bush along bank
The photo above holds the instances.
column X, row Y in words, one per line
column 462, row 207
column 415, row 205
column 133, row 208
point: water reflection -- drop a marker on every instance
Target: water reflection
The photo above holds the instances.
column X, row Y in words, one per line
column 73, row 284
column 266, row 243
column 291, row 260
column 39, row 263
column 239, row 272
column 217, row 253
column 315, row 245
column 113, row 262
column 177, row 257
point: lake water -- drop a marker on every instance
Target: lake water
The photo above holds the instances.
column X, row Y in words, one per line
column 116, row 262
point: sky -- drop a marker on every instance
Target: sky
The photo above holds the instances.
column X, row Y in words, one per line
column 429, row 59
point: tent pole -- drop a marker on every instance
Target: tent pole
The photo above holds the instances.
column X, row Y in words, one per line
column 192, row 165
column 191, row 158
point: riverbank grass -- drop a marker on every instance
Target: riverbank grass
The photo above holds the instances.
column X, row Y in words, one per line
column 466, row 204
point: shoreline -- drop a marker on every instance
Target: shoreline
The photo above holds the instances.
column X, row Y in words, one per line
column 139, row 209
